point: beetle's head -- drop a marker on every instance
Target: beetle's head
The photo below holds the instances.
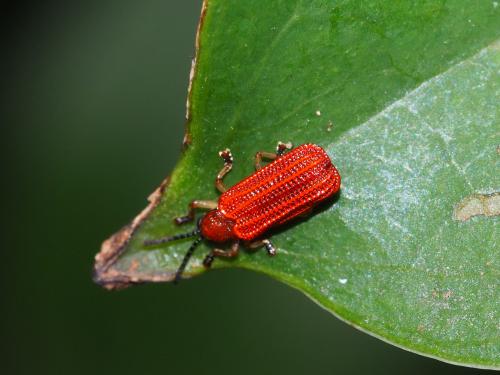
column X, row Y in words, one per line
column 214, row 226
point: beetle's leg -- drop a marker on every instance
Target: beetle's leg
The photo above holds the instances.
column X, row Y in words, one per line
column 228, row 164
column 271, row 250
column 280, row 150
column 282, row 147
column 231, row 253
column 261, row 155
column 207, row 205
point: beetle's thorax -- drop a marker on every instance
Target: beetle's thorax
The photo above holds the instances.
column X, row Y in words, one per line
column 214, row 226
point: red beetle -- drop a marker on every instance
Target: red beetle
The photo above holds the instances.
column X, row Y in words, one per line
column 289, row 186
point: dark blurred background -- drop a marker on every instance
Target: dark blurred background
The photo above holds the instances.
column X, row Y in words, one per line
column 93, row 100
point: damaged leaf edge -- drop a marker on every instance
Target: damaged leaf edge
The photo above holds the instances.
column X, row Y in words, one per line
column 113, row 247
column 104, row 274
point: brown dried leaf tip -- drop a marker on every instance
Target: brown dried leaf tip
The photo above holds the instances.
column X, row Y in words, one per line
column 104, row 273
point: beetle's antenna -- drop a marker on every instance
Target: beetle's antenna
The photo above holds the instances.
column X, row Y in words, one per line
column 172, row 238
column 185, row 261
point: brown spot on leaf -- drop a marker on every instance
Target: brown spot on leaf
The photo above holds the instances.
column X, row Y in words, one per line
column 447, row 294
column 477, row 205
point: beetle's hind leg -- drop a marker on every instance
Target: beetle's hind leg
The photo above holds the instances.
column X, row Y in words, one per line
column 280, row 150
column 271, row 250
column 207, row 205
column 231, row 253
column 228, row 165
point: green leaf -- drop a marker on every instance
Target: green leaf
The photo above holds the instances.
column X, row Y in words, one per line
column 404, row 97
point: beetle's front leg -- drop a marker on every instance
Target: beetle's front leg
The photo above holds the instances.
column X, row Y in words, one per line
column 280, row 150
column 207, row 205
column 271, row 250
column 231, row 253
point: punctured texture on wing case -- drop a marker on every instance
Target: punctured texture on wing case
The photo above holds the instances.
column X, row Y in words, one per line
column 283, row 189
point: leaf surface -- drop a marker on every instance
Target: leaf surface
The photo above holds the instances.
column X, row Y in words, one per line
column 404, row 98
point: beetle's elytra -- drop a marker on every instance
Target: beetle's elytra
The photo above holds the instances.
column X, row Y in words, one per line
column 291, row 185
